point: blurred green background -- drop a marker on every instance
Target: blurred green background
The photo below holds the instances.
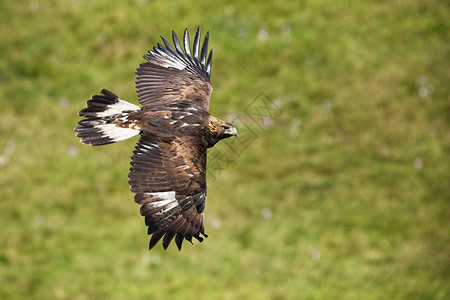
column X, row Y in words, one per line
column 345, row 195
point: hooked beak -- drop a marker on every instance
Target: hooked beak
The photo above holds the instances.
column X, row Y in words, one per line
column 231, row 131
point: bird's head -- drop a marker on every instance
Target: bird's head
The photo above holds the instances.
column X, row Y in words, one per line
column 227, row 130
column 220, row 130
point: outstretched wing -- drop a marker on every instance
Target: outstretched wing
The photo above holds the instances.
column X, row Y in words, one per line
column 171, row 75
column 168, row 175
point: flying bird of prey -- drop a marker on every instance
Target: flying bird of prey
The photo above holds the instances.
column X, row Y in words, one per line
column 168, row 168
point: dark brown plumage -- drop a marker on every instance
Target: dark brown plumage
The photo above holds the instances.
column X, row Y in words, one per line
column 168, row 168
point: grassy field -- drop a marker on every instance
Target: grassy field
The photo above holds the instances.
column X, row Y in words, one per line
column 344, row 193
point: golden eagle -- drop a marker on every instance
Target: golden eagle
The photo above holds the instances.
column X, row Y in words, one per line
column 168, row 168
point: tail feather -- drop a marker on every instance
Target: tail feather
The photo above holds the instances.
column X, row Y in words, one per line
column 106, row 120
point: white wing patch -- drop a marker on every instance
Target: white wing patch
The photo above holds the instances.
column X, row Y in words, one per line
column 165, row 200
column 163, row 196
column 167, row 61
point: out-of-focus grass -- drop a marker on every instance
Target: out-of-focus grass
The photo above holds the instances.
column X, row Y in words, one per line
column 352, row 178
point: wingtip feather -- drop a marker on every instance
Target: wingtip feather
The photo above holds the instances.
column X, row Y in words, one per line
column 168, row 46
column 155, row 239
column 179, row 240
column 167, row 239
column 180, row 55
column 209, row 62
column 196, row 45
column 177, row 44
column 204, row 50
column 187, row 44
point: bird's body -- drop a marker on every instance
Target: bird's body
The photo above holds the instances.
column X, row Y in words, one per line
column 168, row 168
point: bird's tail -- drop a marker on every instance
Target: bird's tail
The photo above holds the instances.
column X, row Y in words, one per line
column 106, row 120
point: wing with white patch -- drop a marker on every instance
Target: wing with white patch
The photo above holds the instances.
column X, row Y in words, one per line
column 168, row 175
column 171, row 75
